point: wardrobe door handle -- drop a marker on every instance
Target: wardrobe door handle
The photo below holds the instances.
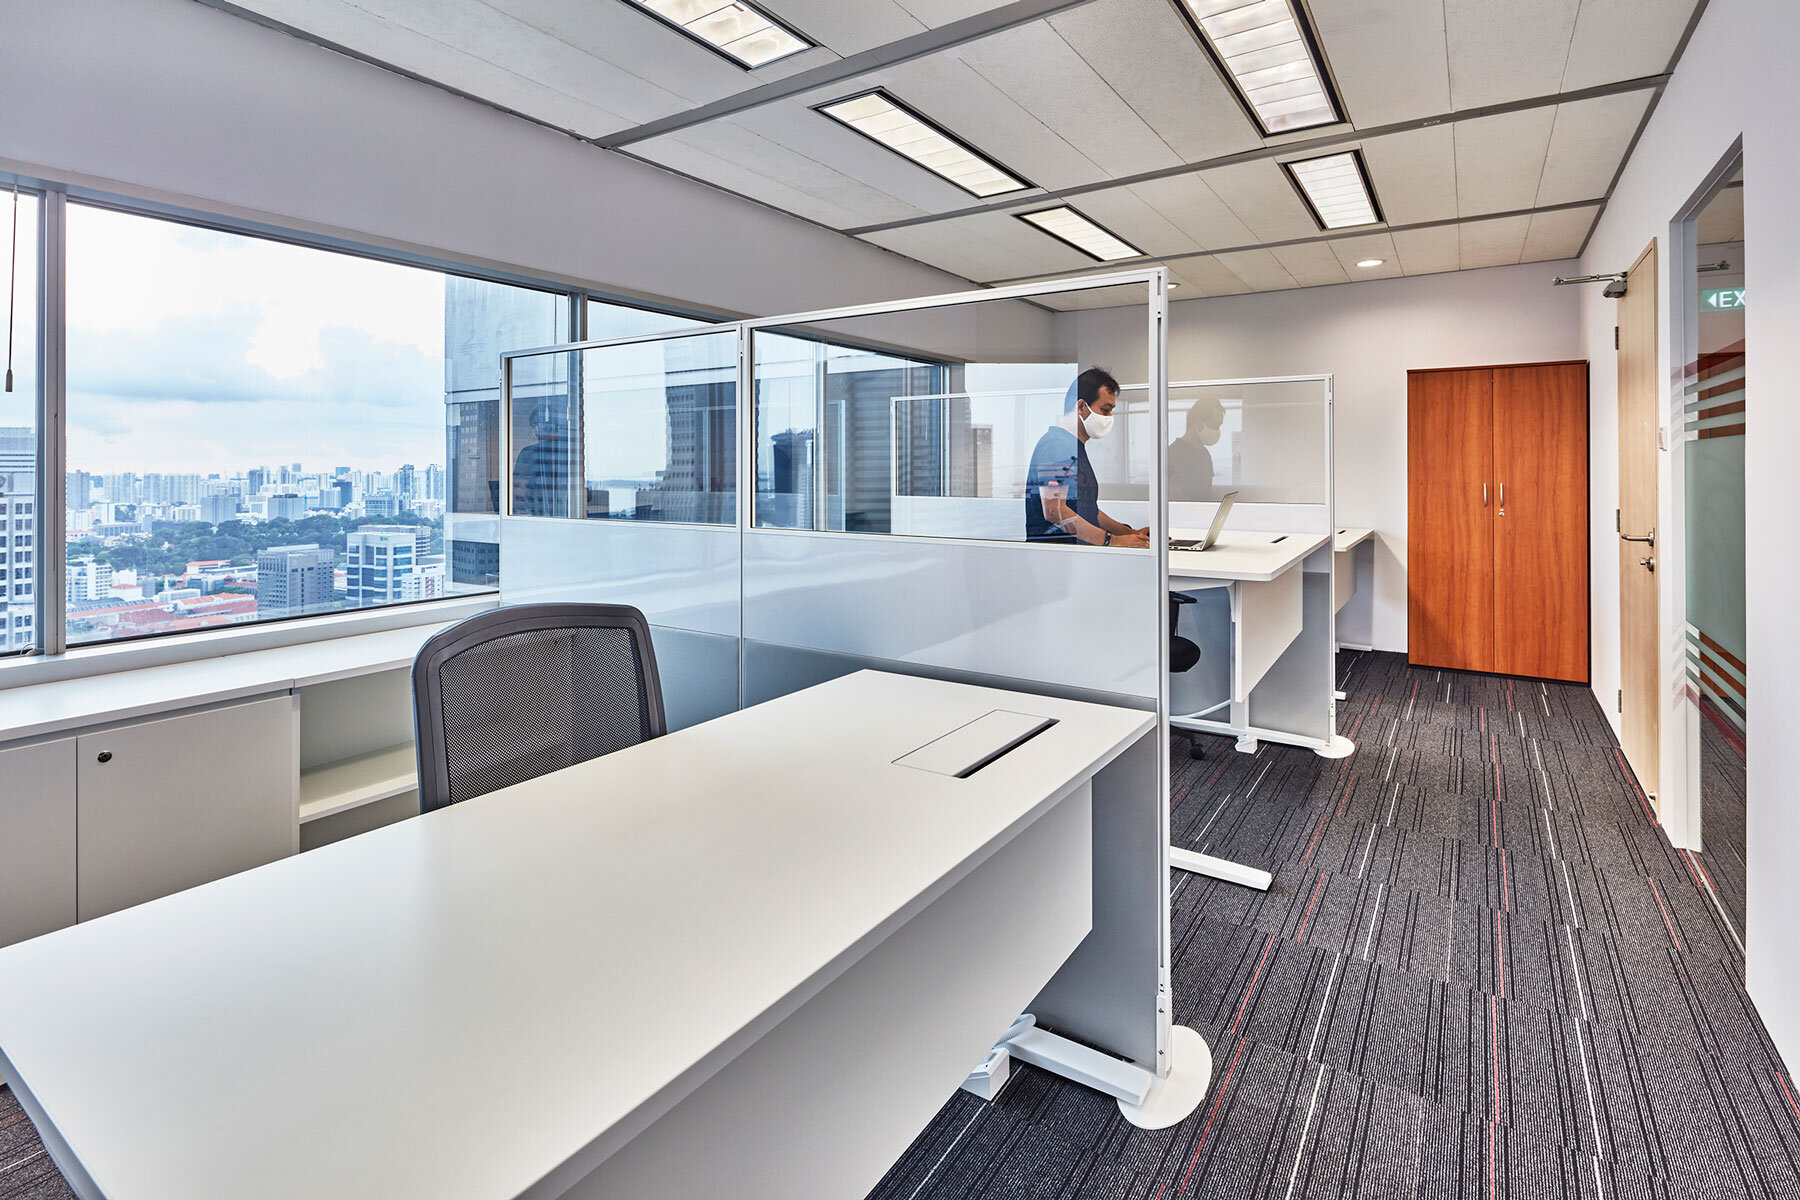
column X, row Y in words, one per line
column 1484, row 495
column 1503, row 496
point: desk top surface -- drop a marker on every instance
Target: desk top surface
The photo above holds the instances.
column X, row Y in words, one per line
column 1242, row 554
column 488, row 1000
column 60, row 706
column 1351, row 537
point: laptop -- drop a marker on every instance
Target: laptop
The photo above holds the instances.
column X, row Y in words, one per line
column 1212, row 533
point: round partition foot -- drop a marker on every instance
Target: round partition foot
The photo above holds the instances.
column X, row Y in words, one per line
column 1176, row 1095
column 1341, row 747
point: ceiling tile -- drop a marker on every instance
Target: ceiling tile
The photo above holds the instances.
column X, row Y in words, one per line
column 731, row 155
column 1723, row 218
column 1145, row 52
column 1492, row 243
column 1507, row 49
column 1263, row 199
column 1624, row 39
column 1558, row 234
column 1428, row 251
column 1312, row 264
column 1414, row 174
column 1208, row 276
column 1043, row 74
column 1388, row 57
column 1351, row 251
column 1587, row 145
column 1196, row 210
column 845, row 28
column 949, row 91
column 1260, row 270
column 1499, row 161
column 1127, row 215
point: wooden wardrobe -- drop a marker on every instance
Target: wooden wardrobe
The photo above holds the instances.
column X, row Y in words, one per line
column 1497, row 519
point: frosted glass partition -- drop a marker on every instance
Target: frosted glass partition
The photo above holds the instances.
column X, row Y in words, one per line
column 625, row 492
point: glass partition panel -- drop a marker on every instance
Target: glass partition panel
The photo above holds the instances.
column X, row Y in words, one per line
column 920, row 441
column 659, row 426
column 545, row 462
column 1264, row 439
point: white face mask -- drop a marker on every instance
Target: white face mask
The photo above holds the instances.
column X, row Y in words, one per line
column 1097, row 426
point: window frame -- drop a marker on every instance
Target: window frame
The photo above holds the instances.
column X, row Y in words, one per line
column 49, row 655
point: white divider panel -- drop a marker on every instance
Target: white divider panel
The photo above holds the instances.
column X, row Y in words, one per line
column 1064, row 617
column 681, row 576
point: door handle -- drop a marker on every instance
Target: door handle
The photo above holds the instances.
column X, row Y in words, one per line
column 1484, row 495
column 1647, row 538
column 1503, row 496
column 1649, row 564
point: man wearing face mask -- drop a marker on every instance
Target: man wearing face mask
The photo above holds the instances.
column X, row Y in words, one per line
column 1190, row 462
column 1062, row 493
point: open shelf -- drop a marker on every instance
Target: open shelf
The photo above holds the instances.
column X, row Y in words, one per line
column 353, row 782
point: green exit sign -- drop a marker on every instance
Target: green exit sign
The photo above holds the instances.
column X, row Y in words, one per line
column 1720, row 299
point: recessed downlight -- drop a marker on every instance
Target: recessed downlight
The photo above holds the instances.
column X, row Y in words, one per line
column 1270, row 57
column 1372, row 262
column 879, row 116
column 735, row 29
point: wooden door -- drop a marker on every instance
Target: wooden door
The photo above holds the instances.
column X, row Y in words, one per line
column 1541, row 521
column 1639, row 662
column 1450, row 529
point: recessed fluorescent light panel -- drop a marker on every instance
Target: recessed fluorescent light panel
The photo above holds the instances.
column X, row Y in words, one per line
column 1070, row 226
column 1271, row 58
column 736, row 30
column 1336, row 188
column 879, row 116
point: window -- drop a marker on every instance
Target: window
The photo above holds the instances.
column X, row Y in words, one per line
column 18, row 431
column 243, row 412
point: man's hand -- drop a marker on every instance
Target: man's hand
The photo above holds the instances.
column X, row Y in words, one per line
column 1137, row 539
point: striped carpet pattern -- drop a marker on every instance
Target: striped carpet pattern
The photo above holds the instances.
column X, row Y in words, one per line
column 1482, row 972
column 1724, row 789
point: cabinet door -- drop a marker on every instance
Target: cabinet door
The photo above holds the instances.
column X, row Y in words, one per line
column 1450, row 528
column 169, row 804
column 1541, row 521
column 37, row 839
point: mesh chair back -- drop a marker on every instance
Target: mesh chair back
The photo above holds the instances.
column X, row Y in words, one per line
column 509, row 695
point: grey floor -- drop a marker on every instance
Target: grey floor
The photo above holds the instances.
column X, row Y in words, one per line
column 1722, row 833
column 1482, row 972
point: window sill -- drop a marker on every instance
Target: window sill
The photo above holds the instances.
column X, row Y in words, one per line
column 83, row 662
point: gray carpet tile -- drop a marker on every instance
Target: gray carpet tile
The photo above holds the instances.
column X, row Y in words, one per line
column 1481, row 973
column 1720, row 864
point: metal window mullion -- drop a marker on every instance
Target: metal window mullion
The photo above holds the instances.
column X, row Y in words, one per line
column 821, row 519
column 52, row 463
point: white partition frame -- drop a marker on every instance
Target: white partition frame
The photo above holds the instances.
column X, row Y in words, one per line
column 1159, row 1072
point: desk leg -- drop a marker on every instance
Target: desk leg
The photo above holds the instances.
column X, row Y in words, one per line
column 1219, row 868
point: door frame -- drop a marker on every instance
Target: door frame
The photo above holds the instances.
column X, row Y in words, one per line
column 1681, row 799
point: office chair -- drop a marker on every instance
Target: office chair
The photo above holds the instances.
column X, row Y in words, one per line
column 1183, row 654
column 512, row 694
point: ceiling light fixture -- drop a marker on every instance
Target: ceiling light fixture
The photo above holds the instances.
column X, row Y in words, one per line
column 1336, row 188
column 1372, row 262
column 880, row 117
column 1265, row 48
column 1065, row 224
column 744, row 34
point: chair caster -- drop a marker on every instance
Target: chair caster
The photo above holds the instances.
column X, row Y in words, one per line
column 1195, row 749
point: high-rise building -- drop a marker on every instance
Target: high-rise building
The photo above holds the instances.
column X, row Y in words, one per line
column 382, row 504
column 217, row 509
column 406, row 482
column 18, row 537
column 287, row 505
column 292, row 580
column 254, row 479
column 80, row 490
column 377, row 561
column 87, row 578
column 432, row 483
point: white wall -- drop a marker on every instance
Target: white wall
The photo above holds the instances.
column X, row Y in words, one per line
column 1368, row 335
column 1708, row 104
column 173, row 100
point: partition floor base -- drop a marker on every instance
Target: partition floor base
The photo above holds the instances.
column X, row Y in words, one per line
column 1482, row 972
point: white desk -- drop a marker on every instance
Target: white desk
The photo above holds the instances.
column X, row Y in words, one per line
column 1268, row 615
column 1352, row 548
column 646, row 974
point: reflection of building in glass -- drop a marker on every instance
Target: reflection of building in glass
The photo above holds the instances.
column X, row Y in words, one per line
column 481, row 320
column 791, row 480
column 699, row 484
column 18, row 529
